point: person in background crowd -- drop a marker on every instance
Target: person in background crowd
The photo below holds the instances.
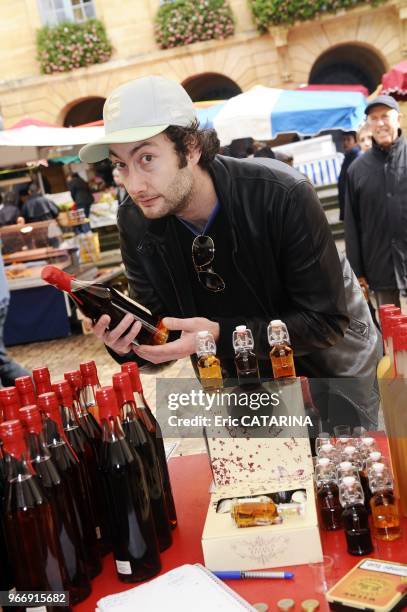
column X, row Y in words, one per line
column 286, row 158
column 265, row 151
column 364, row 138
column 218, row 242
column 9, row 369
column 80, row 192
column 37, row 207
column 9, row 210
column 121, row 193
column 376, row 206
column 352, row 151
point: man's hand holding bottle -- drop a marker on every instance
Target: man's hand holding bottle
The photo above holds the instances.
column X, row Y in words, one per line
column 120, row 339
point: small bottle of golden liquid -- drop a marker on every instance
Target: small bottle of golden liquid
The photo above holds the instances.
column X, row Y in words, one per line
column 255, row 514
column 210, row 372
column 281, row 354
column 385, row 516
column 247, row 367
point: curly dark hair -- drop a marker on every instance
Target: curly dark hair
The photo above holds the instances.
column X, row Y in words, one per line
column 184, row 137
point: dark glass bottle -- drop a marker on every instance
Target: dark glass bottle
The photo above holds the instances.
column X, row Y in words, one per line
column 95, row 299
column 90, row 383
column 329, row 507
column 26, row 391
column 154, row 429
column 140, row 441
column 62, row 505
column 247, row 367
column 69, row 469
column 355, row 518
column 32, row 540
column 83, row 449
column 6, row 575
column 134, row 540
column 10, row 403
column 42, row 380
column 86, row 419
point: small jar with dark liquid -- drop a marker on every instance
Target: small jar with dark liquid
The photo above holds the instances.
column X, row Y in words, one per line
column 329, row 507
column 355, row 518
column 246, row 363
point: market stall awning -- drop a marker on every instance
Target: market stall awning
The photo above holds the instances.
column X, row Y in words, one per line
column 31, row 142
column 395, row 81
column 263, row 113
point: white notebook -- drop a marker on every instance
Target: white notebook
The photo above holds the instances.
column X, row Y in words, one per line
column 183, row 589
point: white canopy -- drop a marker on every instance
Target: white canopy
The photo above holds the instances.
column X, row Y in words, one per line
column 31, row 142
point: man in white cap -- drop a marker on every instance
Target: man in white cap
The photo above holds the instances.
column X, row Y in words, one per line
column 376, row 206
column 215, row 242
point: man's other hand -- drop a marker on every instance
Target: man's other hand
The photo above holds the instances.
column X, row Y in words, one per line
column 364, row 286
column 121, row 337
column 184, row 346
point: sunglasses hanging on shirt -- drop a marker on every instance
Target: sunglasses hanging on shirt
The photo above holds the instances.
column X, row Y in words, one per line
column 203, row 253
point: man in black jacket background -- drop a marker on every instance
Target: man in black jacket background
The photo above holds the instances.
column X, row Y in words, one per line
column 274, row 256
column 376, row 206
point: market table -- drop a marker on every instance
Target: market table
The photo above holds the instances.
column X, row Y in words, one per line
column 191, row 478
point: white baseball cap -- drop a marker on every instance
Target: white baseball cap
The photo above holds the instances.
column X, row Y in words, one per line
column 139, row 110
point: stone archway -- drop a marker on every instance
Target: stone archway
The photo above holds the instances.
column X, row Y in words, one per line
column 85, row 110
column 348, row 64
column 211, row 86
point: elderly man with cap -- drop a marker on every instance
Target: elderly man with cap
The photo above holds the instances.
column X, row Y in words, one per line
column 376, row 206
column 215, row 242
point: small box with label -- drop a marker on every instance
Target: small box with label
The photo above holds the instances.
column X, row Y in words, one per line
column 272, row 461
column 379, row 586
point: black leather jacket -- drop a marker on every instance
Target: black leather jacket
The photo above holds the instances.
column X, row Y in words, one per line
column 286, row 258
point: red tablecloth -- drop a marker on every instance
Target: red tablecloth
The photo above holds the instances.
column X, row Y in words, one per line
column 191, row 478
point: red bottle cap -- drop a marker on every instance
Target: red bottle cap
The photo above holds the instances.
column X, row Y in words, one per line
column 400, row 338
column 10, row 402
column 42, row 380
column 133, row 371
column 107, row 403
column 122, row 387
column 48, row 404
column 56, row 277
column 30, row 417
column 12, row 434
column 26, row 391
column 75, row 380
column 63, row 391
column 89, row 373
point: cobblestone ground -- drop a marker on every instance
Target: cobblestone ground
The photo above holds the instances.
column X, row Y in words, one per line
column 67, row 353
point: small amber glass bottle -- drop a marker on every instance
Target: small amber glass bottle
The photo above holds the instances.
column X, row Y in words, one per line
column 255, row 514
column 209, row 368
column 281, row 354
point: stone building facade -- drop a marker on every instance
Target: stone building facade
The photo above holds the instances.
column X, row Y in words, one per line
column 366, row 41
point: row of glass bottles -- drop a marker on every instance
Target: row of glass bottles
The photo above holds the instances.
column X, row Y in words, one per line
column 281, row 356
column 73, row 487
column 339, row 488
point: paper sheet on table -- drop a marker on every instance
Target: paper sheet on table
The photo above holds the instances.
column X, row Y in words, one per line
column 185, row 588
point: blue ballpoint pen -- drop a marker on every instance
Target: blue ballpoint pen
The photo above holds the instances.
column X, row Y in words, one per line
column 242, row 575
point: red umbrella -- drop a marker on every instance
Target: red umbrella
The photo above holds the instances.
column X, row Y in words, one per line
column 395, row 81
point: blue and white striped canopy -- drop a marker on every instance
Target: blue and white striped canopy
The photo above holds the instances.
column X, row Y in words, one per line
column 263, row 113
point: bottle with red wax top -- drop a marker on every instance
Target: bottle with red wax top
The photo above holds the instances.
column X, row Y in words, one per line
column 141, row 443
column 42, row 380
column 82, row 447
column 58, row 495
column 95, row 299
column 154, row 429
column 90, row 384
column 68, row 466
column 10, row 402
column 6, row 575
column 26, row 391
column 32, row 541
column 134, row 540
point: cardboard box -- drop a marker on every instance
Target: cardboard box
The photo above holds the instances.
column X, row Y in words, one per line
column 247, row 462
column 228, row 547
